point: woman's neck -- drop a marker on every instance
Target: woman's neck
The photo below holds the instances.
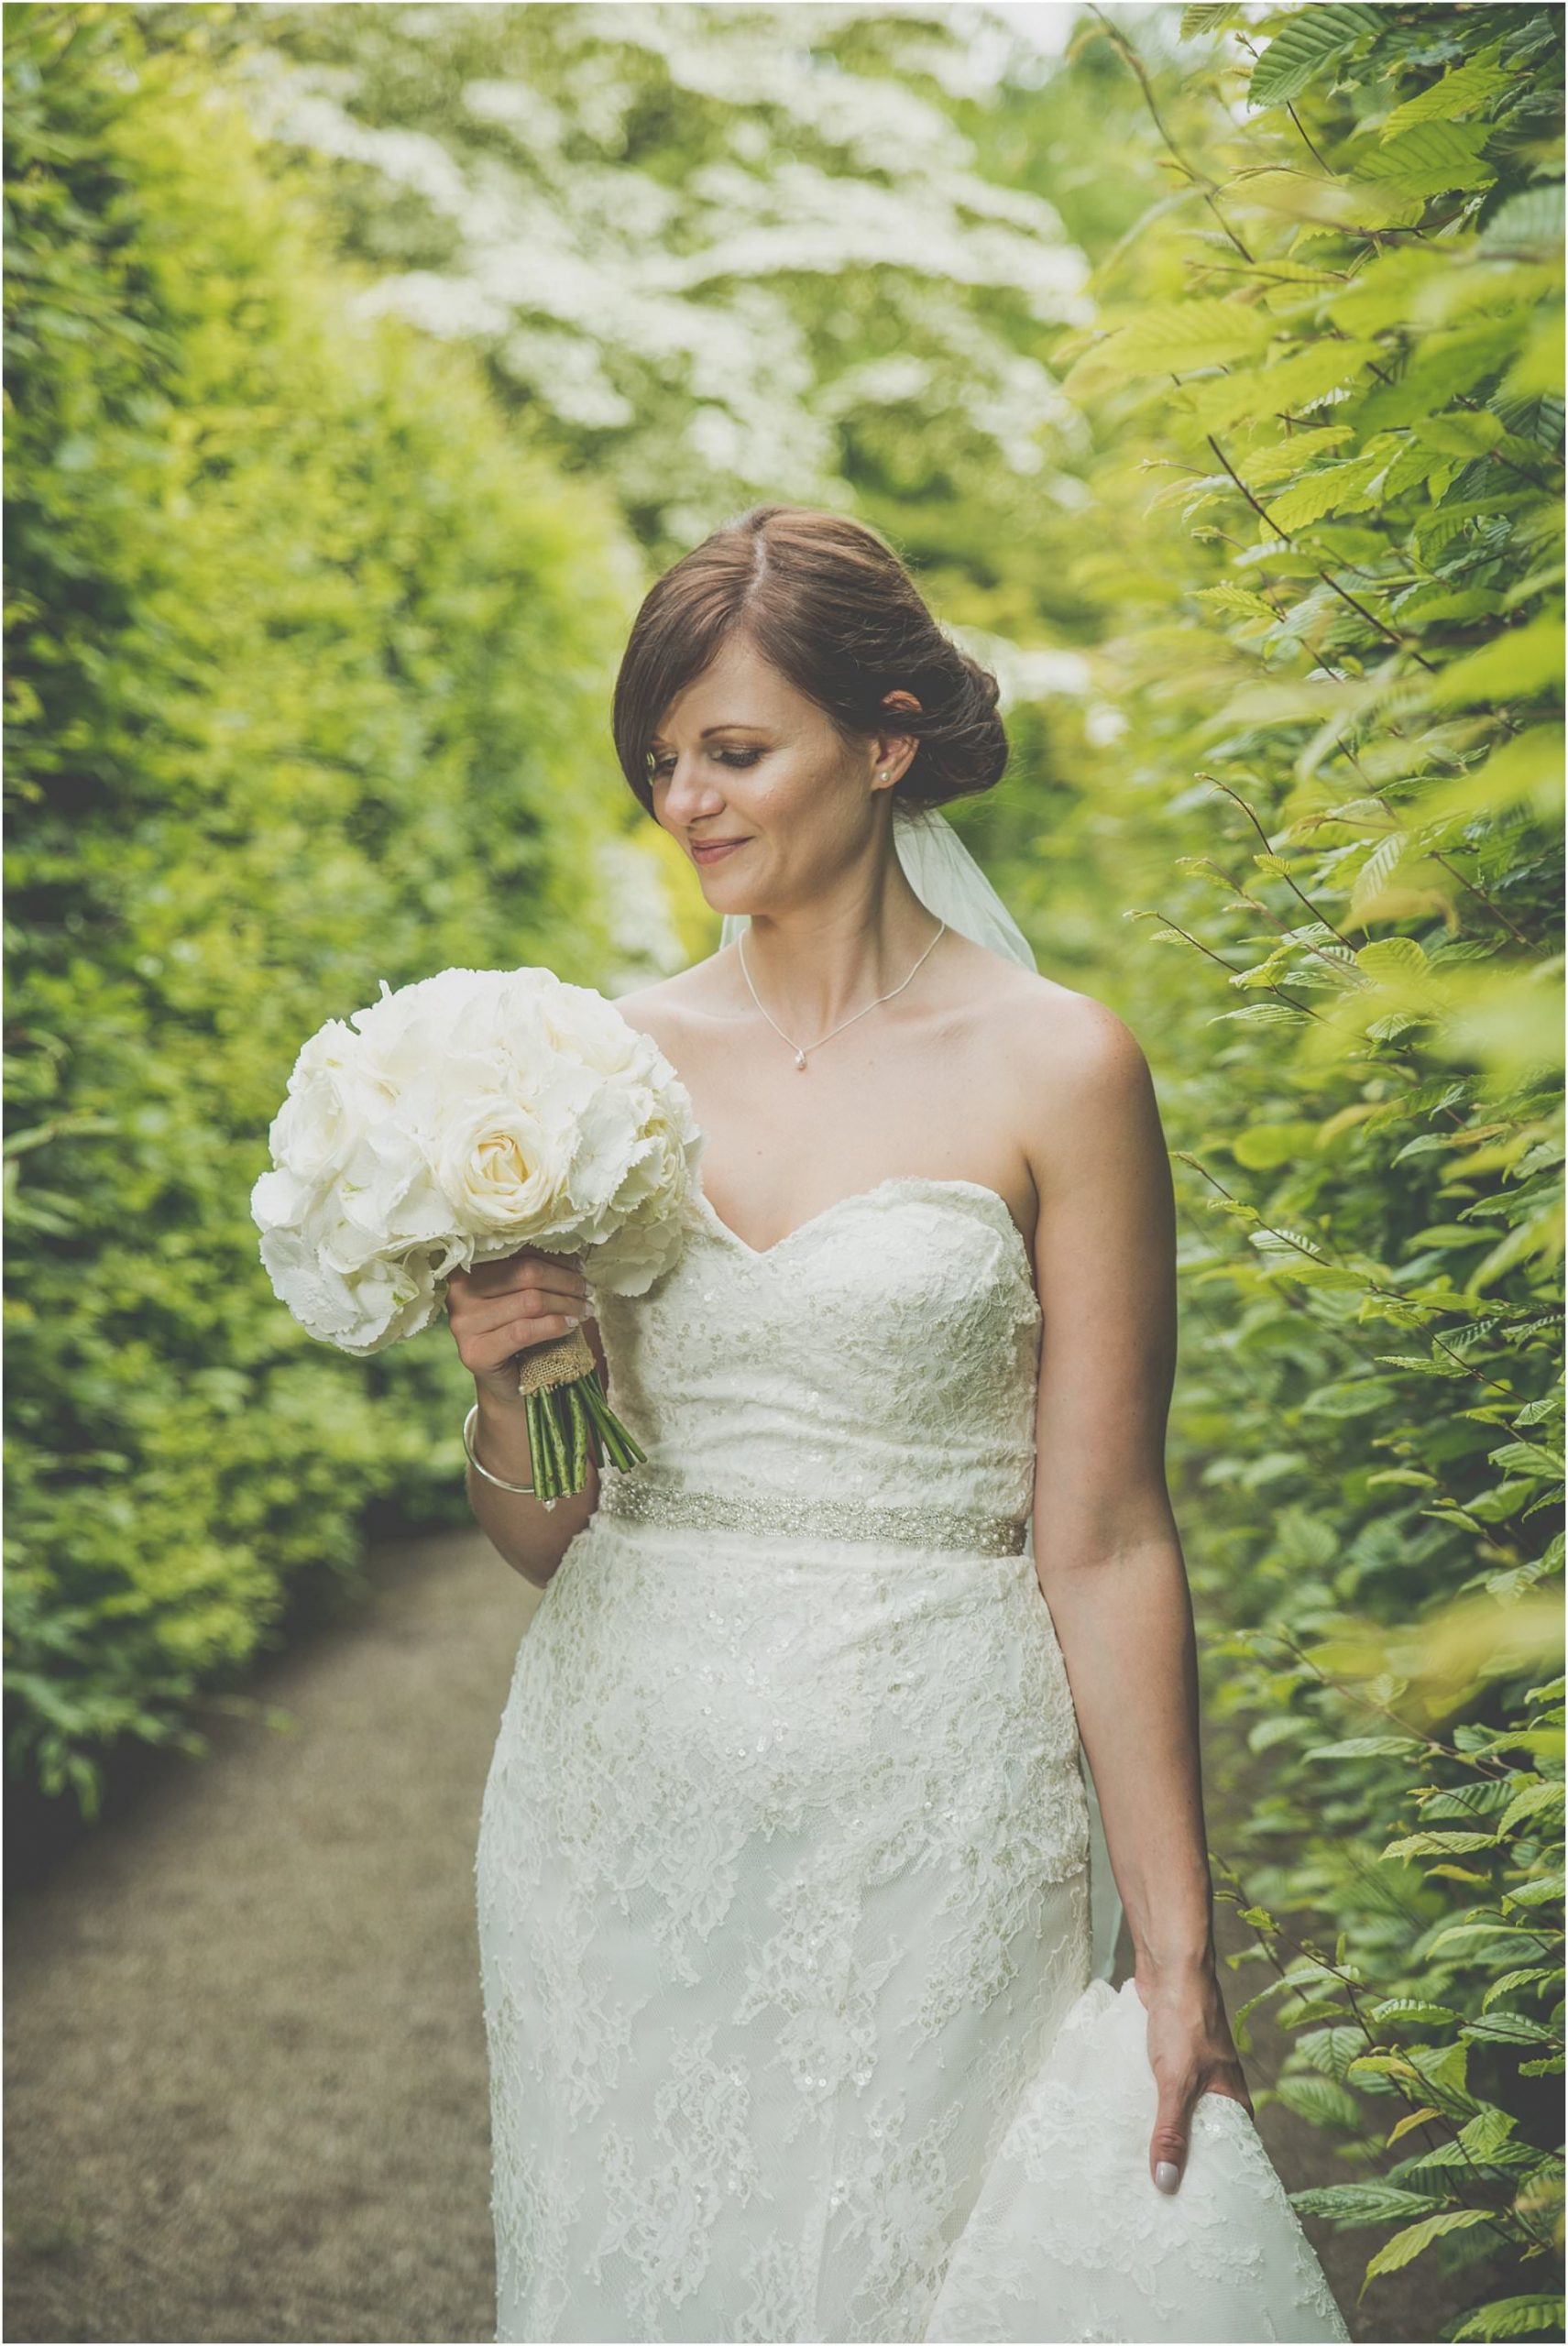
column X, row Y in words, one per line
column 823, row 962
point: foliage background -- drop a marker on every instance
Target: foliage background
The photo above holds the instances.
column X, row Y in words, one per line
column 304, row 650
column 358, row 382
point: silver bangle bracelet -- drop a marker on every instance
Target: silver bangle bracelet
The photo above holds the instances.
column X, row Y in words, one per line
column 468, row 1446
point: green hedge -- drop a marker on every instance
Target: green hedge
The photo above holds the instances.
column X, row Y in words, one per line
column 308, row 666
column 1325, row 553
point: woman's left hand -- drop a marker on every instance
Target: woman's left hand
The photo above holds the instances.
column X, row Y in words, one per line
column 1192, row 2051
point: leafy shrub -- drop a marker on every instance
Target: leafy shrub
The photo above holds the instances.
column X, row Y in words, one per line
column 308, row 673
column 1333, row 629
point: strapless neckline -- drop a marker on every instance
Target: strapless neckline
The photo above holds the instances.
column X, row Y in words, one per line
column 928, row 1184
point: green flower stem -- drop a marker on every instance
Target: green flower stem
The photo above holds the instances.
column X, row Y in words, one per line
column 558, row 1459
column 579, row 1424
column 533, row 1419
column 623, row 1447
column 567, row 1425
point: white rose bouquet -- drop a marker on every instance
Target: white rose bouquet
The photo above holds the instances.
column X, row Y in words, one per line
column 457, row 1119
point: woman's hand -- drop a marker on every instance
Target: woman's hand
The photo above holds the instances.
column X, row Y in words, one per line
column 1192, row 2051
column 499, row 1308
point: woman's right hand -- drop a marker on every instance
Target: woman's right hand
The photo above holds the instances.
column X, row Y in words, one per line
column 499, row 1308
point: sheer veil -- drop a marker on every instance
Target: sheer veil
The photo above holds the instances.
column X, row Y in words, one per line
column 950, row 883
column 948, row 880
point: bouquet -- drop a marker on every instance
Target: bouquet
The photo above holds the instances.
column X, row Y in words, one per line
column 457, row 1119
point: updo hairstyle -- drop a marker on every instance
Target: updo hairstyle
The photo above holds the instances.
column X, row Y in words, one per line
column 834, row 609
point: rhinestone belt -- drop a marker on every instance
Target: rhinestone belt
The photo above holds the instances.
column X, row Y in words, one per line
column 638, row 1498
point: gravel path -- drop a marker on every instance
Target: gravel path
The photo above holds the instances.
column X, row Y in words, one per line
column 247, row 2096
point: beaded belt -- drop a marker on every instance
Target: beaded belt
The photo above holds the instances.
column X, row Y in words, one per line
column 639, row 1498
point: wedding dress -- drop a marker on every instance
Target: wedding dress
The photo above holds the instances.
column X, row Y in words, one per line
column 783, row 1883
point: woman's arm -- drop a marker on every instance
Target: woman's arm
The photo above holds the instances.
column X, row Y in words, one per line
column 496, row 1311
column 1106, row 1546
column 530, row 1537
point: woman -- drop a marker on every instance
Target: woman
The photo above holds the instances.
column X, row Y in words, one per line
column 783, row 1880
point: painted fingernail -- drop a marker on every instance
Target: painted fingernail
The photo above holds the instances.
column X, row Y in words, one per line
column 1166, row 2177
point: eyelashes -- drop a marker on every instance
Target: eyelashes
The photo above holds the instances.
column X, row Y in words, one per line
column 737, row 758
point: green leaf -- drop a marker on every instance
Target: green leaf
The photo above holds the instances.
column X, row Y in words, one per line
column 1331, row 2050
column 1240, row 602
column 1358, row 1398
column 1526, row 771
column 1483, row 2136
column 1322, row 2100
column 1507, row 2028
column 1428, row 159
column 1515, row 665
column 1406, row 2246
column 1365, row 2203
column 1261, row 1147
column 1410, row 2011
column 1547, row 1891
column 1530, row 1977
column 1367, row 1747
column 1460, row 89
column 1333, row 488
column 1507, row 2317
column 1172, row 337
column 1531, row 218
column 1530, row 1802
column 1472, row 1936
column 1305, row 51
column 1437, row 1844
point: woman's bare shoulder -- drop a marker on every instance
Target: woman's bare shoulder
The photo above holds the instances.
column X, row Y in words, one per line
column 675, row 1005
column 1038, row 1020
column 1088, row 1110
column 1062, row 1027
column 1074, row 1066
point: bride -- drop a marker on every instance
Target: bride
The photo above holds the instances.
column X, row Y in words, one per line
column 795, row 2022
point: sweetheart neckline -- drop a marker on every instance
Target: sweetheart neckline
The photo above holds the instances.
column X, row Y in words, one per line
column 933, row 1182
column 979, row 1191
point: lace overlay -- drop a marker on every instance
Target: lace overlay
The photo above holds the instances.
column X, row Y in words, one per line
column 781, row 1875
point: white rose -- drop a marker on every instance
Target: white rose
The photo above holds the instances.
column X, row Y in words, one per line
column 503, row 1171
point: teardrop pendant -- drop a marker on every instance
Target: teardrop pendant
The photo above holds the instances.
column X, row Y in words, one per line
column 800, row 1062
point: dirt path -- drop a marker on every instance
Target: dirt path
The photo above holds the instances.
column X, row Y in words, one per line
column 247, row 2096
column 246, row 2086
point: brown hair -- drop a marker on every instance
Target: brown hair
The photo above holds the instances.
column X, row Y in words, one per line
column 834, row 609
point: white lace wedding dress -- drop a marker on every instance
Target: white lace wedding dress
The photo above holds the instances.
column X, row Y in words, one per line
column 782, row 1906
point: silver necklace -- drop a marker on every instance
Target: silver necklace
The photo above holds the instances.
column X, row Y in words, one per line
column 800, row 1049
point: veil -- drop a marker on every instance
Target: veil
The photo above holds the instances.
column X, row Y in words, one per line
column 950, row 883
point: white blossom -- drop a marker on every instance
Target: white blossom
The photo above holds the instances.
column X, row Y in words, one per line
column 458, row 1119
